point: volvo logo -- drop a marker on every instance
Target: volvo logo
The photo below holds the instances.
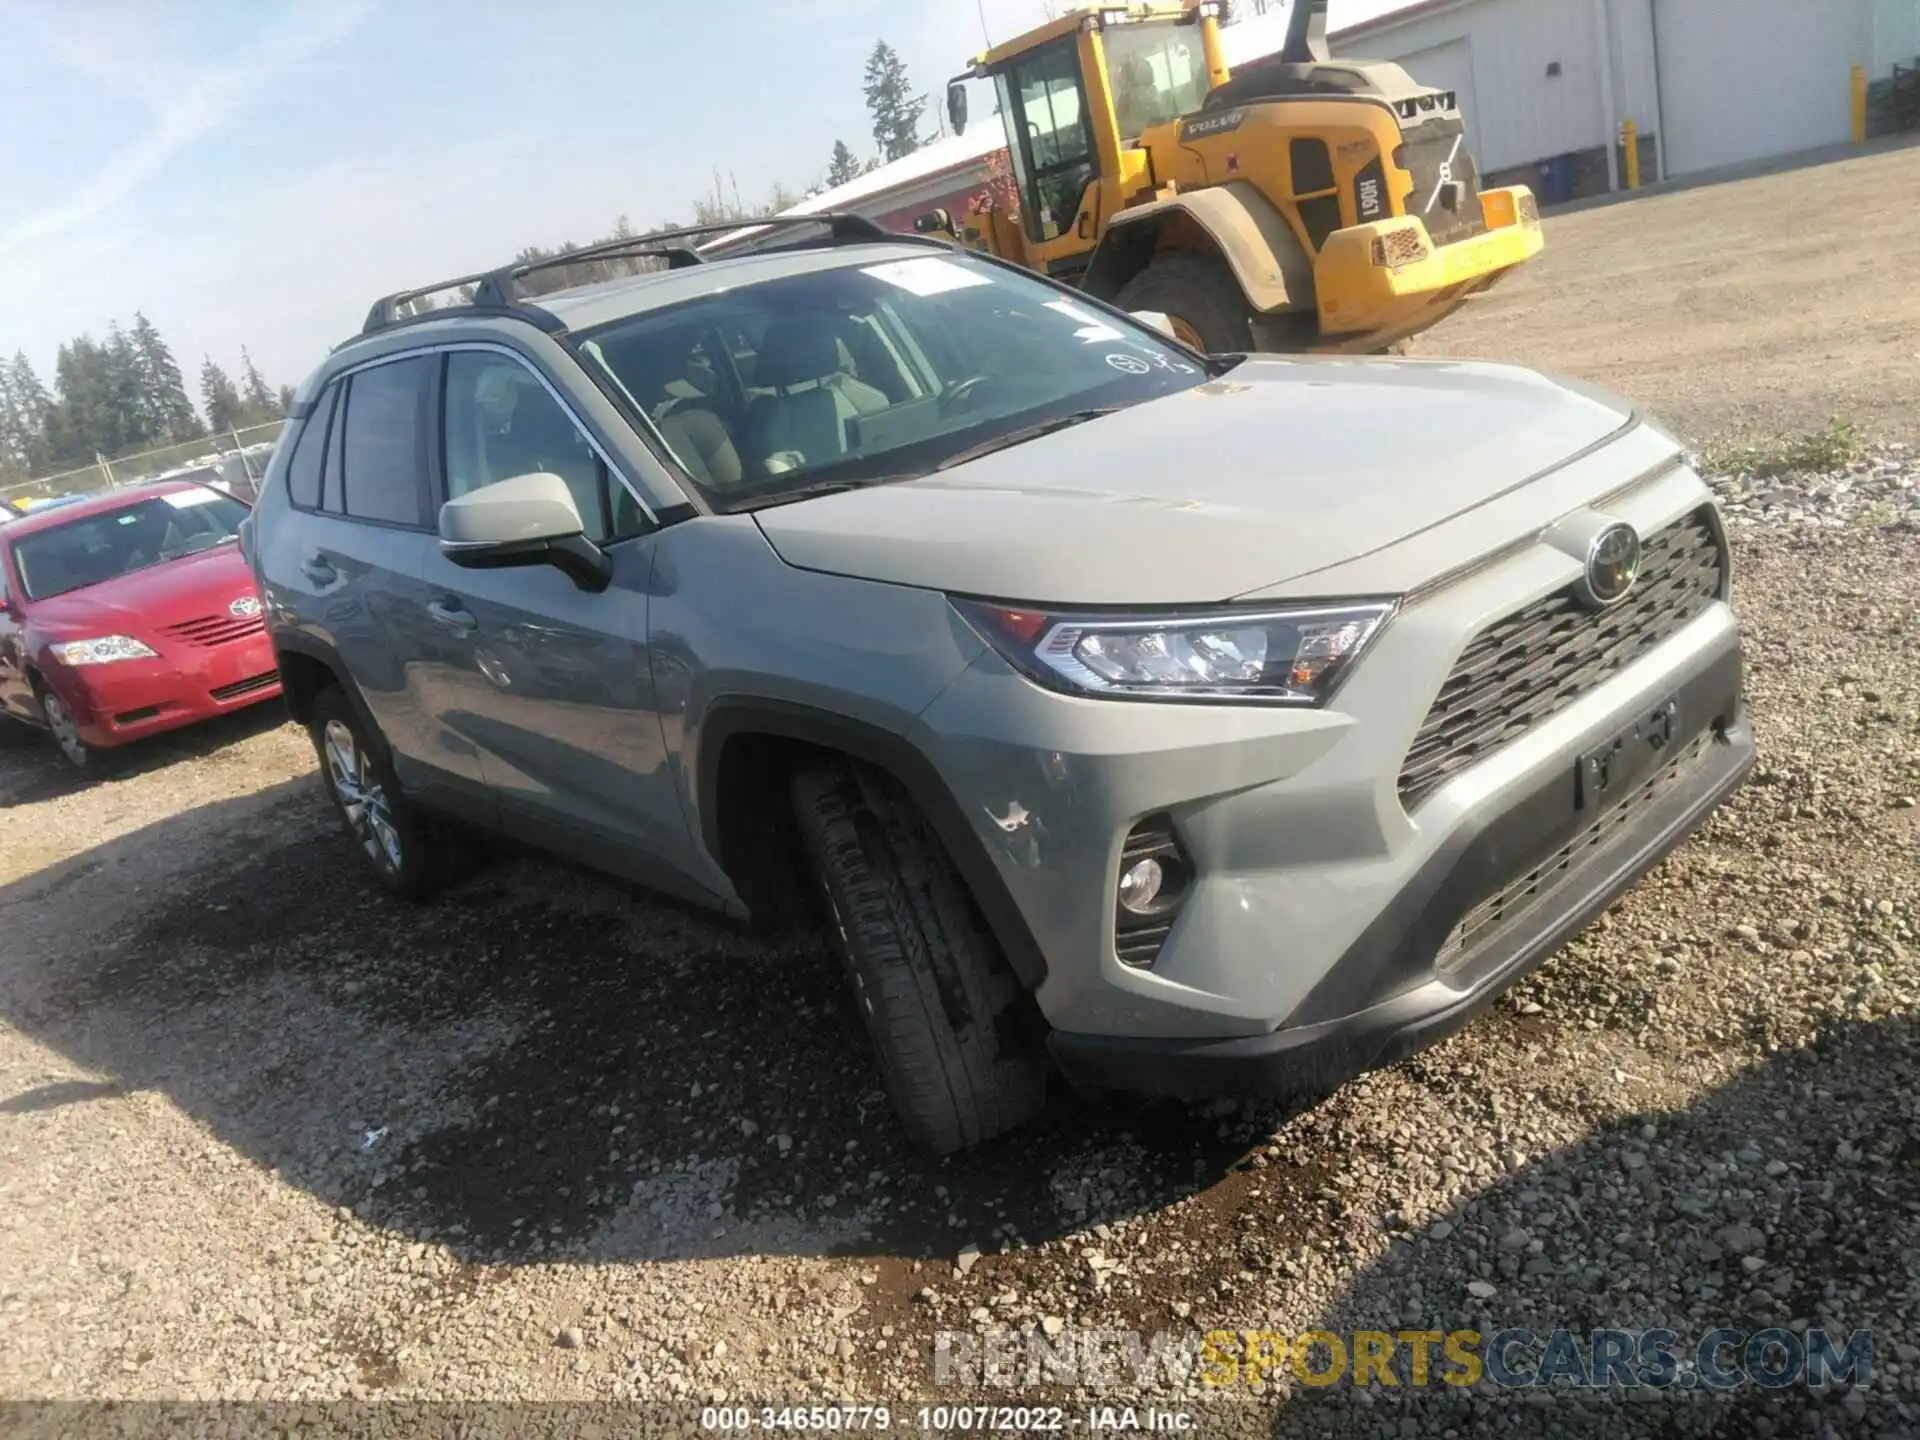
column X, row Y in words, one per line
column 245, row 607
column 1613, row 564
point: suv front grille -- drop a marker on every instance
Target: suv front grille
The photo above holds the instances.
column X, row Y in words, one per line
column 1539, row 660
column 1487, row 920
column 216, row 629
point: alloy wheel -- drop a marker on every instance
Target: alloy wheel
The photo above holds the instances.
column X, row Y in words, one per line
column 65, row 729
column 363, row 799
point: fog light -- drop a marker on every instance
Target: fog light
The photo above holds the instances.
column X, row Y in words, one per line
column 1140, row 886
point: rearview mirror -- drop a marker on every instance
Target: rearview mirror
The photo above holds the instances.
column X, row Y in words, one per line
column 528, row 520
column 1157, row 319
column 957, row 106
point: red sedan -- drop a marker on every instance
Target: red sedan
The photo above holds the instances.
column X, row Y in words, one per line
column 128, row 614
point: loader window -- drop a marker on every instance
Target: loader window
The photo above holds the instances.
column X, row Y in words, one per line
column 1045, row 105
column 1158, row 74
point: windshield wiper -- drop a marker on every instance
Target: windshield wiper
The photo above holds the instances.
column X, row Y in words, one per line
column 803, row 492
column 1021, row 436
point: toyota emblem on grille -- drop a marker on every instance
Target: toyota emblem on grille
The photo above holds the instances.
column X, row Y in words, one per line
column 246, row 607
column 1613, row 564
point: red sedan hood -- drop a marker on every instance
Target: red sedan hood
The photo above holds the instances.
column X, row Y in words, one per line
column 160, row 595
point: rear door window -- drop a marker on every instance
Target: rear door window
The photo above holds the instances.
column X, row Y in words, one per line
column 383, row 454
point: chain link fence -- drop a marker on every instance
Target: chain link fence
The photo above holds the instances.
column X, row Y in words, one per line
column 235, row 460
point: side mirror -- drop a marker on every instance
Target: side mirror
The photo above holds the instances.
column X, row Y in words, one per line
column 1156, row 319
column 957, row 106
column 246, row 538
column 934, row 222
column 528, row 520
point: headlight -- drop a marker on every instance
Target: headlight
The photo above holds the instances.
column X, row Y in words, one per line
column 102, row 650
column 1280, row 657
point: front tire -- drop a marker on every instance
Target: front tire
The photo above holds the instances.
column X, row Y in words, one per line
column 1199, row 295
column 409, row 853
column 65, row 731
column 958, row 1040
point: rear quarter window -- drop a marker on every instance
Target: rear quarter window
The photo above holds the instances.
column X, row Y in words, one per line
column 309, row 450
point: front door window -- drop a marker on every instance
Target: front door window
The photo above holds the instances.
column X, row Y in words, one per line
column 1054, row 149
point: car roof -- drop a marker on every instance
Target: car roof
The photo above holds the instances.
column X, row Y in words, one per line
column 588, row 306
column 106, row 502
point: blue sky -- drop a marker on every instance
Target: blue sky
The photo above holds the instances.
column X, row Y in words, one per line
column 256, row 171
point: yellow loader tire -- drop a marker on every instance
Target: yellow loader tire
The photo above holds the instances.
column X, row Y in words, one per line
column 1200, row 296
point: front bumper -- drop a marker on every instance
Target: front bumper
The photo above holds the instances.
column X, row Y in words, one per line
column 1380, row 281
column 129, row 699
column 1326, row 1049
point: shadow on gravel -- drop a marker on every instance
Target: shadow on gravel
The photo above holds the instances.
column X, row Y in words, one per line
column 36, row 771
column 59, row 1093
column 1789, row 1197
column 544, row 1063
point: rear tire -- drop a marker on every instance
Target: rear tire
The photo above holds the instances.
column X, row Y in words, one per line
column 958, row 1040
column 411, row 853
column 1199, row 294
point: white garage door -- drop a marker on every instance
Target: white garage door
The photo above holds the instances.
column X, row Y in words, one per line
column 1746, row 79
column 1448, row 67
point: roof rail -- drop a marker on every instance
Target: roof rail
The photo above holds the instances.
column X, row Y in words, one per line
column 498, row 290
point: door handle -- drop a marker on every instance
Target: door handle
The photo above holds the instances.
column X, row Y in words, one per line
column 452, row 617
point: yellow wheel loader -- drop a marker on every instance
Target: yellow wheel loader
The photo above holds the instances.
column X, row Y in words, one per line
column 1308, row 204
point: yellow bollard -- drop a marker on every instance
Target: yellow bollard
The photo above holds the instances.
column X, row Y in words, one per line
column 1630, row 140
column 1859, row 104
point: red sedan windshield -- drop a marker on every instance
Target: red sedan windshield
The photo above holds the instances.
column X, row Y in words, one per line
column 113, row 543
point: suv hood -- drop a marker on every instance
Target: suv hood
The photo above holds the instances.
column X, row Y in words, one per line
column 1276, row 470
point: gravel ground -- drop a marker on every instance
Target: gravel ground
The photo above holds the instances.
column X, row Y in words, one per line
column 1762, row 305
column 268, row 1136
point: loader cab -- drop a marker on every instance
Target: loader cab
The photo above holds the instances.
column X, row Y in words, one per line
column 1050, row 138
column 1076, row 94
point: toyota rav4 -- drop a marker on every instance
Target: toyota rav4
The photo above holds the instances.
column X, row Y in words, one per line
column 1170, row 723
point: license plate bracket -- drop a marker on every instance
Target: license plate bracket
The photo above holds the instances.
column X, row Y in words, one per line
column 1604, row 774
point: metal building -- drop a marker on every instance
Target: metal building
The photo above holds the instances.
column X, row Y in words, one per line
column 1547, row 85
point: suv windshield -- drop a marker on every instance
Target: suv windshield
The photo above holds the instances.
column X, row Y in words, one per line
column 857, row 374
column 117, row 542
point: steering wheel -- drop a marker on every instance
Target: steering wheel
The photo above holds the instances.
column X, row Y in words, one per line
column 957, row 395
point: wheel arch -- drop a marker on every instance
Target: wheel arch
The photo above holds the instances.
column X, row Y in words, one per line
column 747, row 750
column 1234, row 221
column 307, row 665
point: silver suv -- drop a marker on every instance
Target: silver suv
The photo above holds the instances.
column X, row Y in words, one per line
column 1170, row 723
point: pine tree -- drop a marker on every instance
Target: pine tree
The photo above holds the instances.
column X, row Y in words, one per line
column 132, row 425
column 219, row 396
column 24, row 404
column 843, row 167
column 287, row 393
column 895, row 108
column 171, row 414
column 257, row 402
column 86, row 420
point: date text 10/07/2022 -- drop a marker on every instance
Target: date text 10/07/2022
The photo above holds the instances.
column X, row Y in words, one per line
column 948, row 1419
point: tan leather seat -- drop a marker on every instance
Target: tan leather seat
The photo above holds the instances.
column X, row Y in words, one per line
column 813, row 397
column 699, row 441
